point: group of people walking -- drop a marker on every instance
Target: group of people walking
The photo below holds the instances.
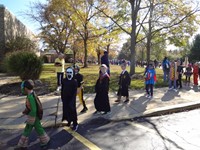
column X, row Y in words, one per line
column 70, row 84
column 175, row 70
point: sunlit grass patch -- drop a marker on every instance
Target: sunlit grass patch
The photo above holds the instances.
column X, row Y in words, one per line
column 91, row 74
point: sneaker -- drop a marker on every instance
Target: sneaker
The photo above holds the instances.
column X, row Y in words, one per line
column 126, row 101
column 84, row 110
column 65, row 123
column 171, row 88
column 118, row 101
column 105, row 112
column 149, row 97
column 45, row 146
column 58, row 88
column 97, row 112
column 75, row 127
column 175, row 90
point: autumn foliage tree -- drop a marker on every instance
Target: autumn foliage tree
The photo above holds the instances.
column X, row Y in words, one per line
column 151, row 18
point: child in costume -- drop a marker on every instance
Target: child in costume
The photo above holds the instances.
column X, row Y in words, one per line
column 188, row 73
column 101, row 101
column 150, row 79
column 173, row 76
column 124, row 83
column 79, row 79
column 68, row 96
column 34, row 115
column 145, row 71
column 180, row 72
column 195, row 73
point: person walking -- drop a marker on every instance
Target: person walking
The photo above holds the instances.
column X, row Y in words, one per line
column 173, row 76
column 166, row 69
column 195, row 73
column 105, row 60
column 101, row 100
column 60, row 69
column 188, row 73
column 180, row 72
column 68, row 97
column 34, row 113
column 124, row 83
column 150, row 79
column 79, row 78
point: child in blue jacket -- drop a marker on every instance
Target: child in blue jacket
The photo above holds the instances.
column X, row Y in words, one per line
column 150, row 79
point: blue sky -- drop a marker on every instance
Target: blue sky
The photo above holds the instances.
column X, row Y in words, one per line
column 17, row 6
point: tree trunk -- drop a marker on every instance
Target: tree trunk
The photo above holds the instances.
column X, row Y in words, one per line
column 149, row 36
column 135, row 4
column 132, row 67
column 74, row 57
column 108, row 48
column 85, row 50
column 98, row 57
column 85, row 46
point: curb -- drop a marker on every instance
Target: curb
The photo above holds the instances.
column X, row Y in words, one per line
column 161, row 111
column 172, row 109
column 150, row 113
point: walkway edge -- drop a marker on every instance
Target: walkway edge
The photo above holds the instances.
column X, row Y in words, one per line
column 162, row 111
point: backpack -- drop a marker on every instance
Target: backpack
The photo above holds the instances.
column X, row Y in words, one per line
column 39, row 106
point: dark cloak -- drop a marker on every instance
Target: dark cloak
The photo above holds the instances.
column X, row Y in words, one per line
column 101, row 101
column 124, row 82
column 68, row 96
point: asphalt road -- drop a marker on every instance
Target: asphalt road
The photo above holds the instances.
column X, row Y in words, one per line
column 179, row 131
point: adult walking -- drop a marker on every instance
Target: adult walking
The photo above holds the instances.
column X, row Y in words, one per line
column 166, row 68
column 60, row 68
column 105, row 60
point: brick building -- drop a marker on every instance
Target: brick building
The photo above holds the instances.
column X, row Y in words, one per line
column 10, row 27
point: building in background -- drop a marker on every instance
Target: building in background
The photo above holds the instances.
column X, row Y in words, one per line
column 10, row 27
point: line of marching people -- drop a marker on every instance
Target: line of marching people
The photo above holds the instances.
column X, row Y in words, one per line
column 176, row 69
column 72, row 86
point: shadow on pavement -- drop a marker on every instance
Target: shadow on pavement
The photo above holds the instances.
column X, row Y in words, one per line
column 170, row 95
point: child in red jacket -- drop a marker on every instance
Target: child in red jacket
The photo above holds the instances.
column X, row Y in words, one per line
column 195, row 73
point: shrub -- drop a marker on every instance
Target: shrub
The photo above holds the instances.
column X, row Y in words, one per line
column 3, row 66
column 26, row 65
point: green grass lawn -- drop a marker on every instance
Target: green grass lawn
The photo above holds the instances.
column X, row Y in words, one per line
column 91, row 75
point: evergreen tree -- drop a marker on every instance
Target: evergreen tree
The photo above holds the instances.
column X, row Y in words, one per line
column 195, row 50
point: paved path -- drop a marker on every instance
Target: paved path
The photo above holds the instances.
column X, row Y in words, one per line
column 164, row 101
